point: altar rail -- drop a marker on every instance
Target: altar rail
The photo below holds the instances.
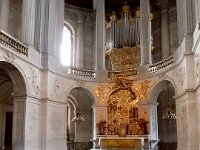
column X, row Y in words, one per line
column 13, row 43
column 82, row 72
column 161, row 65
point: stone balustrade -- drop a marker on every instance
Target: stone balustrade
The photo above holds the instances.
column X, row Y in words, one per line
column 81, row 72
column 161, row 65
column 13, row 43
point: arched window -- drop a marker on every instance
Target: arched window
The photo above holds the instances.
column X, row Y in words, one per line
column 66, row 48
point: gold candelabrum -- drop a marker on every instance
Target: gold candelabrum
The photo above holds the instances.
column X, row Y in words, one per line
column 123, row 38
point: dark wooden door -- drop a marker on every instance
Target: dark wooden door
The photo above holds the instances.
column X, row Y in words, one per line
column 8, row 129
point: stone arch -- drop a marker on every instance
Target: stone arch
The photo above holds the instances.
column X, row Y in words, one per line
column 92, row 94
column 157, row 87
column 83, row 101
column 17, row 96
column 17, row 77
column 159, row 100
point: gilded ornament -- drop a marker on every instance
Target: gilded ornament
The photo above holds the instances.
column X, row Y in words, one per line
column 125, row 8
column 100, row 92
column 113, row 17
column 126, row 57
column 137, row 13
column 120, row 23
column 142, row 88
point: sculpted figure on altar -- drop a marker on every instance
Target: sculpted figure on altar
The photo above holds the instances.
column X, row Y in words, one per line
column 137, row 127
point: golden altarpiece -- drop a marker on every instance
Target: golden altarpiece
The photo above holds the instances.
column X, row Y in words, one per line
column 122, row 126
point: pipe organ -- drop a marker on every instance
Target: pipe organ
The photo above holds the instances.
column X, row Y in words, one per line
column 123, row 38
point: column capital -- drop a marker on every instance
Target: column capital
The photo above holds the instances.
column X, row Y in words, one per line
column 164, row 5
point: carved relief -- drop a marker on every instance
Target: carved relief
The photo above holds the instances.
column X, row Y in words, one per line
column 80, row 82
column 181, row 76
column 10, row 57
column 197, row 66
column 34, row 80
column 57, row 90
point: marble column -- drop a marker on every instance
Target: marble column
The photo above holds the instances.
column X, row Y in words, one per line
column 186, row 20
column 179, row 5
column 198, row 12
column 80, row 41
column 99, row 5
column 4, row 14
column 28, row 21
column 145, row 33
column 190, row 16
column 164, row 29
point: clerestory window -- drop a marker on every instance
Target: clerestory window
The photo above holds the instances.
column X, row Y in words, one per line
column 66, row 48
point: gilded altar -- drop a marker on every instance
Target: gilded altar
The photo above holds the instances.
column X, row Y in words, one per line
column 135, row 142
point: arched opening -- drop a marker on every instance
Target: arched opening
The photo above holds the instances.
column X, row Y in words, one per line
column 80, row 132
column 167, row 131
column 11, row 108
column 167, row 128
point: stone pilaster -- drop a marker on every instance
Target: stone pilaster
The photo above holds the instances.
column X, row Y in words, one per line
column 99, row 5
column 80, row 41
column 18, row 138
column 28, row 21
column 165, row 29
column 145, row 33
column 4, row 14
column 187, row 121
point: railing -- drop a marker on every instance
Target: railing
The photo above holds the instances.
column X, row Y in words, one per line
column 82, row 72
column 161, row 65
column 13, row 43
column 124, row 73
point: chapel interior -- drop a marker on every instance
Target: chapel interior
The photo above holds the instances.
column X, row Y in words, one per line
column 99, row 75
